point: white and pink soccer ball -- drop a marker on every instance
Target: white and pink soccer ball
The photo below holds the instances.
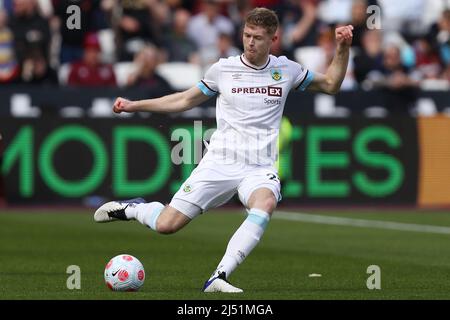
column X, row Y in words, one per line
column 124, row 273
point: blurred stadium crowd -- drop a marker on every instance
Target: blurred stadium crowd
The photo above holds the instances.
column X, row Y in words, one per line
column 128, row 42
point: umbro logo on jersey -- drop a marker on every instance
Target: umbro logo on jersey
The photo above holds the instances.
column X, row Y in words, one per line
column 270, row 91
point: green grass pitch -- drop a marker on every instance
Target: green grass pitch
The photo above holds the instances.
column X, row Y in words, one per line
column 38, row 246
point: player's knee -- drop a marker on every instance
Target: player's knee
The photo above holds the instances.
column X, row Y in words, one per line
column 166, row 227
column 268, row 204
column 271, row 204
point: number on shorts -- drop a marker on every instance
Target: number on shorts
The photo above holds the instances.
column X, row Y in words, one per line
column 273, row 177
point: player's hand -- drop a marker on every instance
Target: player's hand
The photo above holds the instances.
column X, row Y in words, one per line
column 344, row 35
column 122, row 105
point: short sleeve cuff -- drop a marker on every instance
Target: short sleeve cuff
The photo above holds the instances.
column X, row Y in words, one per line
column 306, row 81
column 205, row 89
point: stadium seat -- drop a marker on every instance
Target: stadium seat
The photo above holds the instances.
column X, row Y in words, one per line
column 106, row 39
column 325, row 107
column 309, row 56
column 21, row 107
column 71, row 112
column 180, row 75
column 376, row 112
column 63, row 74
column 424, row 107
column 434, row 85
column 122, row 70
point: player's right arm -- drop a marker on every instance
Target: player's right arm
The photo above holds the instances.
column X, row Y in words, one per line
column 331, row 81
column 177, row 102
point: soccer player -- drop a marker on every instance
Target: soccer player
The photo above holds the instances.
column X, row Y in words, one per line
column 251, row 91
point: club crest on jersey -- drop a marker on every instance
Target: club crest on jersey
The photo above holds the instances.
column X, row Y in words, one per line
column 276, row 74
column 187, row 188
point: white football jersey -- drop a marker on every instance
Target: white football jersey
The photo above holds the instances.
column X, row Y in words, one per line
column 249, row 106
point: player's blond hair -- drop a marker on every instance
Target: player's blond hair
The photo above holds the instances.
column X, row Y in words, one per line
column 263, row 17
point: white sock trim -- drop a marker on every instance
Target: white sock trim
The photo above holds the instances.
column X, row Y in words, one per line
column 259, row 217
column 154, row 216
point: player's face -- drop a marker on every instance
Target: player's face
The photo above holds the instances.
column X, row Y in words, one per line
column 257, row 43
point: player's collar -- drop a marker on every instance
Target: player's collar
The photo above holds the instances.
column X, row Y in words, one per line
column 248, row 64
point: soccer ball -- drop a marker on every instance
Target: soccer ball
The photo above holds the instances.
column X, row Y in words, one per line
column 124, row 273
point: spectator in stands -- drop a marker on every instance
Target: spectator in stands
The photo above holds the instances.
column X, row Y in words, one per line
column 441, row 33
column 205, row 27
column 358, row 21
column 428, row 64
column 370, row 57
column 90, row 71
column 300, row 23
column 45, row 8
column 404, row 17
column 334, row 12
column 36, row 70
column 102, row 14
column 72, row 39
column 146, row 61
column 238, row 11
column 396, row 75
column 446, row 74
column 275, row 5
column 9, row 68
column 29, row 28
column 181, row 4
column 7, row 5
column 179, row 46
column 136, row 27
column 399, row 88
column 223, row 49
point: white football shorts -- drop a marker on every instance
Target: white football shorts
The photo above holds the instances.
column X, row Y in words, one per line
column 212, row 184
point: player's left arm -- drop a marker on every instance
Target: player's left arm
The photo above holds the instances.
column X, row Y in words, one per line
column 331, row 81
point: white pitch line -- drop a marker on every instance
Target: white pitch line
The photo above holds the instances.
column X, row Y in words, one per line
column 322, row 219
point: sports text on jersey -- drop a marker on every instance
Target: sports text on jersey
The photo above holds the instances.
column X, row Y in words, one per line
column 270, row 91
